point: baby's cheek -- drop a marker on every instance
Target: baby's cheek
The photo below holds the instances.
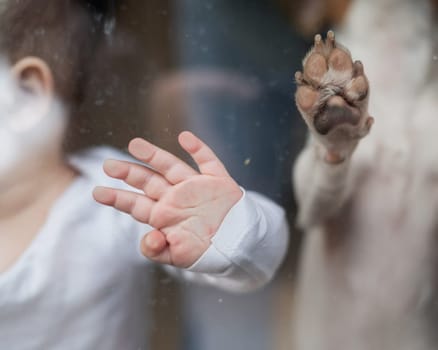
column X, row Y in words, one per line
column 10, row 151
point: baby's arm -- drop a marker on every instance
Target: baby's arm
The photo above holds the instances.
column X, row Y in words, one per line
column 203, row 221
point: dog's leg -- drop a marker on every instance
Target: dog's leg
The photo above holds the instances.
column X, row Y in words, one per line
column 332, row 97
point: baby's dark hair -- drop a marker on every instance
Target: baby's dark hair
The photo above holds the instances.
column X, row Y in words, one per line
column 63, row 33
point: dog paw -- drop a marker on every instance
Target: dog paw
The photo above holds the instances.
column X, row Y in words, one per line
column 332, row 97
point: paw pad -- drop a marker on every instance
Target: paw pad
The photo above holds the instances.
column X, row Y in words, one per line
column 332, row 89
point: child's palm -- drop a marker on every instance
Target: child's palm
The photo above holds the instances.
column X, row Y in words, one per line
column 185, row 206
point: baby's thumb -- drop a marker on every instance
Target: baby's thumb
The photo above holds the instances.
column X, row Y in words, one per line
column 154, row 246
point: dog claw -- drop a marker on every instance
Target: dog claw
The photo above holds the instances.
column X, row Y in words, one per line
column 298, row 77
column 319, row 44
column 357, row 68
column 331, row 38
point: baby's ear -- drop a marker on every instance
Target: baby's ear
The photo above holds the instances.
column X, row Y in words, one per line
column 34, row 76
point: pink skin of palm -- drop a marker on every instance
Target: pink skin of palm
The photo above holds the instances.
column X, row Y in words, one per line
column 184, row 206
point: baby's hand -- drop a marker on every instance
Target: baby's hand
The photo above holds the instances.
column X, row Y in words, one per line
column 185, row 206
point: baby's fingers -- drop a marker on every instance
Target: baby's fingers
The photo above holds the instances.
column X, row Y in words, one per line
column 165, row 163
column 151, row 183
column 204, row 157
column 135, row 204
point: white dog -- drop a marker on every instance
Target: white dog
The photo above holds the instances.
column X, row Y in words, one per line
column 368, row 196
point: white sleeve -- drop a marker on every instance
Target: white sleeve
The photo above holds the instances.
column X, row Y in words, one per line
column 246, row 250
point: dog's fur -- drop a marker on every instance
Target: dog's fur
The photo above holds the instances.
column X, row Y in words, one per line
column 368, row 201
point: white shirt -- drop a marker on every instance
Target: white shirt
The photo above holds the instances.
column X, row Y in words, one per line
column 83, row 283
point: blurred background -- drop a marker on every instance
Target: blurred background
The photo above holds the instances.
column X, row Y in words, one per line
column 223, row 69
